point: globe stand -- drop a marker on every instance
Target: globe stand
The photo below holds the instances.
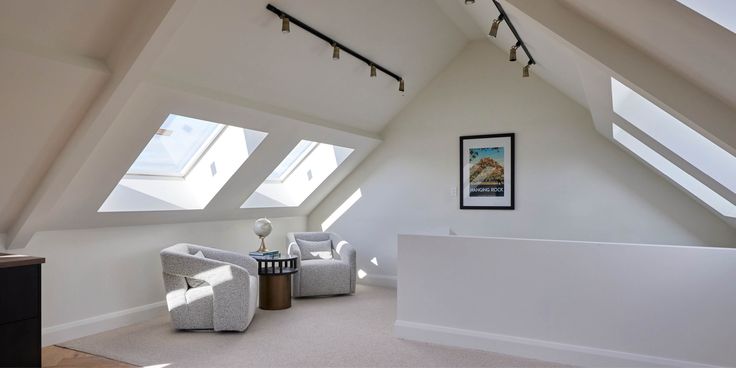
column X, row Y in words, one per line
column 263, row 248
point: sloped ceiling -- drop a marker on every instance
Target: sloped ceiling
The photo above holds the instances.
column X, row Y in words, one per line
column 89, row 28
column 676, row 36
column 224, row 61
column 88, row 69
column 52, row 67
column 236, row 47
column 555, row 61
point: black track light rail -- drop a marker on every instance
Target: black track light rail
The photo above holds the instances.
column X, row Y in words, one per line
column 513, row 30
column 331, row 41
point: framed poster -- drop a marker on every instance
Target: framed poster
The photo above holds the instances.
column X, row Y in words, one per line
column 487, row 172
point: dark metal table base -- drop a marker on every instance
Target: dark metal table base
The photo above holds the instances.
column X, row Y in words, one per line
column 275, row 291
column 274, row 288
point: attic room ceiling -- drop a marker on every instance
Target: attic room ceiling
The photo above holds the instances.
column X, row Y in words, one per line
column 554, row 60
column 52, row 66
column 98, row 78
column 226, row 45
column 78, row 27
column 676, row 36
column 225, row 61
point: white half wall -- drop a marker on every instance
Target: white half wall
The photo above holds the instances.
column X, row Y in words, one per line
column 98, row 279
column 571, row 182
column 580, row 303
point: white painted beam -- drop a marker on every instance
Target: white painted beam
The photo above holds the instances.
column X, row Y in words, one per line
column 601, row 55
column 130, row 62
column 700, row 110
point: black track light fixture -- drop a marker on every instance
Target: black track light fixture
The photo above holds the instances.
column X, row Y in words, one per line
column 494, row 26
column 503, row 16
column 335, row 52
column 512, row 53
column 469, row 2
column 285, row 24
column 287, row 20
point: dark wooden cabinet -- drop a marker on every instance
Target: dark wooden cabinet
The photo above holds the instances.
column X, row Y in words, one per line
column 20, row 311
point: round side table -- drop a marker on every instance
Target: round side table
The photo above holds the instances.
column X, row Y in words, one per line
column 274, row 287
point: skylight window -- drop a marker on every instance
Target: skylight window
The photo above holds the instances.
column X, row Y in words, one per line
column 692, row 185
column 175, row 147
column 679, row 138
column 201, row 155
column 301, row 172
column 292, row 160
column 722, row 12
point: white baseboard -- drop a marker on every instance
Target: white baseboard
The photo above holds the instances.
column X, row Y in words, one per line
column 89, row 326
column 531, row 348
column 379, row 280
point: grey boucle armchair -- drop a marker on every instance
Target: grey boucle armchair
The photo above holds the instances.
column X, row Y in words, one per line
column 323, row 276
column 216, row 292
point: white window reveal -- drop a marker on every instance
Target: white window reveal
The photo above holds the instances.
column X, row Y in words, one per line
column 687, row 181
column 183, row 166
column 299, row 174
column 672, row 133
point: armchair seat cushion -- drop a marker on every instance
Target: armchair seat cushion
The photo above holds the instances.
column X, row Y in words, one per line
column 324, row 277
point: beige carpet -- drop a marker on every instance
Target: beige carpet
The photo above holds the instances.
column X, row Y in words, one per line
column 346, row 331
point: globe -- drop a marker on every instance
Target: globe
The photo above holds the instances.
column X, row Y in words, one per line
column 262, row 227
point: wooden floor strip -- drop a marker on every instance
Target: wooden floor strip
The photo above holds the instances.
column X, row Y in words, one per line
column 58, row 357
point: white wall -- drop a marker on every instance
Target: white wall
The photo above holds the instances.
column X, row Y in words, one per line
column 571, row 183
column 579, row 303
column 89, row 273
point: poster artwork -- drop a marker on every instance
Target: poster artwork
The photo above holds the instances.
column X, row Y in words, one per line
column 486, row 172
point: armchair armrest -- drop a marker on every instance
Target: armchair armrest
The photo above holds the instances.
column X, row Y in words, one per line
column 294, row 251
column 346, row 253
column 230, row 285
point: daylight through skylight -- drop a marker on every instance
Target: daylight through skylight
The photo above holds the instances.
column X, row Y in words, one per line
column 183, row 167
column 687, row 181
column 298, row 175
column 175, row 147
column 722, row 12
column 679, row 138
column 292, row 160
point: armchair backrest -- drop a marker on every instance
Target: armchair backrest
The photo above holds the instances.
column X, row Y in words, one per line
column 310, row 236
column 176, row 254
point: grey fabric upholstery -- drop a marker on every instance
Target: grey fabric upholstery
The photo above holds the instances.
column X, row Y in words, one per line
column 323, row 276
column 226, row 302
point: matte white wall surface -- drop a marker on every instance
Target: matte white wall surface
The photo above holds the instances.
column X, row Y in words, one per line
column 99, row 271
column 580, row 303
column 571, row 182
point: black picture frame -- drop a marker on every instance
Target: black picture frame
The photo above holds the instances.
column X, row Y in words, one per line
column 485, row 202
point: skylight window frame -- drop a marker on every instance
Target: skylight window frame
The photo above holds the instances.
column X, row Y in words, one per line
column 672, row 133
column 673, row 172
column 298, row 161
column 196, row 157
column 717, row 14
